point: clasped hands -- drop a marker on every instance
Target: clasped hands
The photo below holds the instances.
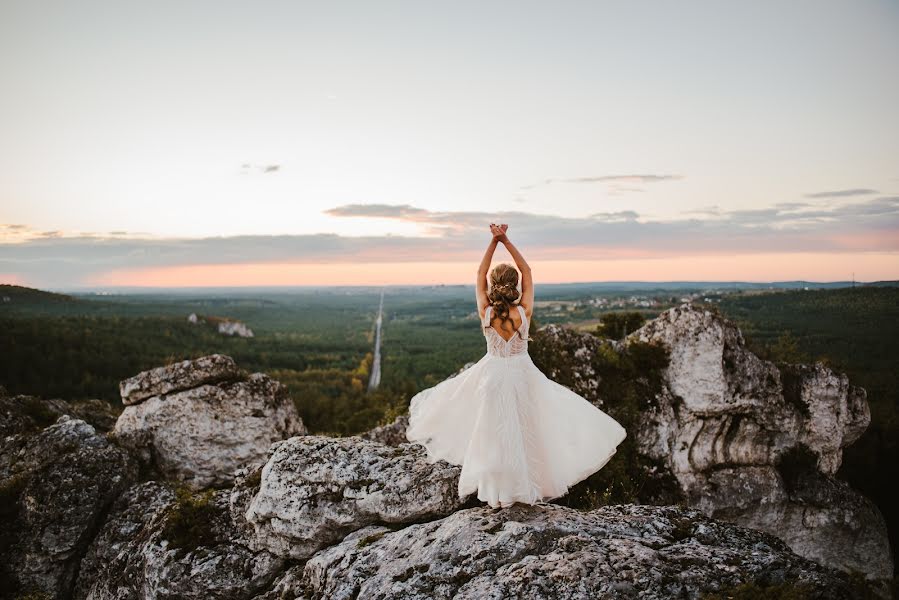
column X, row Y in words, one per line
column 499, row 232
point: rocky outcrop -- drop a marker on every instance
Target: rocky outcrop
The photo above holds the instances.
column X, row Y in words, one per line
column 179, row 376
column 733, row 429
column 554, row 552
column 199, row 433
column 56, row 486
column 164, row 543
column 315, row 489
column 235, row 328
column 157, row 544
column 718, row 379
column 224, row 326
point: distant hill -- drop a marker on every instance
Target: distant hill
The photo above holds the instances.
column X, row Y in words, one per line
column 18, row 293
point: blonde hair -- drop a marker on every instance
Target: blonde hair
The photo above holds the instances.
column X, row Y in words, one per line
column 503, row 291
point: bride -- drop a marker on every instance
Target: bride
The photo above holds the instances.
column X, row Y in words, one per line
column 518, row 435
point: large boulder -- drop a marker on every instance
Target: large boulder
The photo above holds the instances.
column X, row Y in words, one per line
column 160, row 542
column 179, row 376
column 553, row 552
column 758, row 443
column 56, row 485
column 315, row 489
column 200, row 435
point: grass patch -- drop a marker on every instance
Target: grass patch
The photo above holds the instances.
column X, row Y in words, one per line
column 188, row 523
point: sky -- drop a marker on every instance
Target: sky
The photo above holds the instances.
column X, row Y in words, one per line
column 358, row 143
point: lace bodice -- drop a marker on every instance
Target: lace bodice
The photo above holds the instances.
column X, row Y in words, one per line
column 517, row 344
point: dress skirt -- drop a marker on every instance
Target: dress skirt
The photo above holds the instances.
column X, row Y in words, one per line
column 518, row 435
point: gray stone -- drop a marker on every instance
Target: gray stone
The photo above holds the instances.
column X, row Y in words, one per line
column 57, row 485
column 178, row 376
column 726, row 427
column 316, row 489
column 132, row 558
column 552, row 552
column 200, row 436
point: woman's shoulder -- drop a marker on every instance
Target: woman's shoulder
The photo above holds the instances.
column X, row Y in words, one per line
column 527, row 310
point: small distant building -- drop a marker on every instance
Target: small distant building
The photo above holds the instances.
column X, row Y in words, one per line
column 192, row 318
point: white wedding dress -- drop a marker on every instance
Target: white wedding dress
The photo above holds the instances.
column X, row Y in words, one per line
column 519, row 436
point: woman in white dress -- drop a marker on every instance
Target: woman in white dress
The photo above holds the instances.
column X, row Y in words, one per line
column 518, row 435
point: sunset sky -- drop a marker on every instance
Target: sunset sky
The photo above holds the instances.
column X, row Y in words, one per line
column 298, row 143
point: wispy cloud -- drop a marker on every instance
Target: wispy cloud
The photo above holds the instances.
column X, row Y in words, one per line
column 615, row 180
column 246, row 168
column 622, row 215
column 842, row 193
column 386, row 211
column 865, row 225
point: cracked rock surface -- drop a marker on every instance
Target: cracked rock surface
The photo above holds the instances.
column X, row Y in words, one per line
column 200, row 435
column 554, row 552
column 315, row 489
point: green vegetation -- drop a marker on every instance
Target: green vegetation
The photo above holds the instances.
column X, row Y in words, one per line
column 365, row 541
column 629, row 381
column 189, row 521
column 617, row 325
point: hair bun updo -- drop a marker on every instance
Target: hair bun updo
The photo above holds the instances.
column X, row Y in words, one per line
column 503, row 290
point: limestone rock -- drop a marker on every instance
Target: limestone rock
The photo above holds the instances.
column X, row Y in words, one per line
column 133, row 557
column 718, row 380
column 728, row 424
column 316, row 489
column 179, row 376
column 553, row 552
column 57, row 485
column 200, row 435
column 392, row 434
column 235, row 328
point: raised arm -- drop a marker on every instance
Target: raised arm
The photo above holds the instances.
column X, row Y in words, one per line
column 527, row 282
column 481, row 285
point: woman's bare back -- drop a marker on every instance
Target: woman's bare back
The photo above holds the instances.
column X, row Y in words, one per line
column 503, row 328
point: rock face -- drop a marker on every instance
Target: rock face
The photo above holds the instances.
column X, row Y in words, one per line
column 235, row 328
column 316, row 489
column 184, row 375
column 733, row 429
column 553, row 552
column 141, row 552
column 56, row 487
column 199, row 433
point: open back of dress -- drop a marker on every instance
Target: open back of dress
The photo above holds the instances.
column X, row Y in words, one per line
column 496, row 345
